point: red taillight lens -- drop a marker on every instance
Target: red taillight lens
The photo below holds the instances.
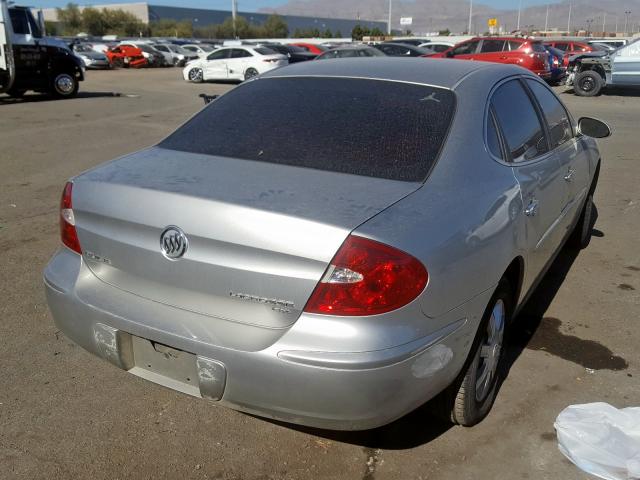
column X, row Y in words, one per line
column 68, row 232
column 367, row 278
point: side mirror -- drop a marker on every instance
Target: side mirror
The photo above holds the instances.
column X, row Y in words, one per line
column 593, row 128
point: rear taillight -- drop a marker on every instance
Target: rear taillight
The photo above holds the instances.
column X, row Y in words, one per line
column 68, row 232
column 367, row 278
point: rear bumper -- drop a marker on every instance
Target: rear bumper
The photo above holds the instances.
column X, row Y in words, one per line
column 291, row 383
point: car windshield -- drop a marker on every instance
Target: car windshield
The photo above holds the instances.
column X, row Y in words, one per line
column 207, row 48
column 296, row 49
column 82, row 48
column 342, row 125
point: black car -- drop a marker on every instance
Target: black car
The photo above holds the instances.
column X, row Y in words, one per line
column 293, row 53
column 410, row 41
column 350, row 51
column 403, row 50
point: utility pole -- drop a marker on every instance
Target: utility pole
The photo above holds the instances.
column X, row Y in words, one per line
column 616, row 24
column 546, row 20
column 389, row 19
column 470, row 16
column 569, row 20
column 234, row 14
column 604, row 22
column 519, row 9
column 626, row 20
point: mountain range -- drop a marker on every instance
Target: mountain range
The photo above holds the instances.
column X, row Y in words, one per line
column 434, row 15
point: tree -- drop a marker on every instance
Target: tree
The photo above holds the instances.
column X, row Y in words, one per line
column 275, row 27
column 171, row 28
column 70, row 19
column 357, row 33
column 52, row 28
column 93, row 21
column 327, row 34
column 376, row 32
column 338, row 34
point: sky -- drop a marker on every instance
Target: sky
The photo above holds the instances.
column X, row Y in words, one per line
column 253, row 5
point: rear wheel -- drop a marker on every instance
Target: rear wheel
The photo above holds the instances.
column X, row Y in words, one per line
column 250, row 73
column 64, row 85
column 468, row 400
column 196, row 75
column 588, row 83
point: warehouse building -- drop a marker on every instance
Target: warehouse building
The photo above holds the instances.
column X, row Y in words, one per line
column 203, row 17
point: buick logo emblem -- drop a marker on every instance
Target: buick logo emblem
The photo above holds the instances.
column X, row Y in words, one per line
column 173, row 243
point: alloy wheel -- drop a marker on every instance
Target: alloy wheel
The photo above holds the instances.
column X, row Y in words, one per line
column 490, row 351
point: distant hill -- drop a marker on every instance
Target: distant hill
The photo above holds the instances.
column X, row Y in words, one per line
column 433, row 15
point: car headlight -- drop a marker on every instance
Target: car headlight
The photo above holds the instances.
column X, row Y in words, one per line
column 146, row 54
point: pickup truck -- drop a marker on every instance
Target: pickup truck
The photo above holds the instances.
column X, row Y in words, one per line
column 590, row 72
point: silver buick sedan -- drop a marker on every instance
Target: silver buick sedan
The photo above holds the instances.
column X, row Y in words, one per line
column 342, row 275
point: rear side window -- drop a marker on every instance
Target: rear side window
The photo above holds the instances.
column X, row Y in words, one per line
column 219, row 55
column 489, row 46
column 555, row 114
column 538, row 47
column 364, row 127
column 513, row 45
column 519, row 121
column 466, row 48
column 239, row 53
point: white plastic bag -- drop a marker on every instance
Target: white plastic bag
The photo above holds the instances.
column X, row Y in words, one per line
column 601, row 440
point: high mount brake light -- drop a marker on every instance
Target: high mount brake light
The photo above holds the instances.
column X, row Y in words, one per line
column 68, row 233
column 367, row 278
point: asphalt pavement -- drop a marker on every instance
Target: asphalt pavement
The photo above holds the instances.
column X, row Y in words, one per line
column 65, row 414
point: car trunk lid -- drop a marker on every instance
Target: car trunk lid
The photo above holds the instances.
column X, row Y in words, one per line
column 260, row 235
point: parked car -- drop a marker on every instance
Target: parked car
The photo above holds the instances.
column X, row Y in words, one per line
column 349, row 51
column 311, row 47
column 127, row 56
column 556, row 63
column 524, row 52
column 341, row 281
column 570, row 47
column 403, row 50
column 293, row 53
column 90, row 58
column 155, row 58
column 202, row 50
column 589, row 73
column 410, row 41
column 176, row 55
column 437, row 47
column 614, row 43
column 233, row 63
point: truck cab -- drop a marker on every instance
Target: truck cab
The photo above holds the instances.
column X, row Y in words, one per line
column 31, row 61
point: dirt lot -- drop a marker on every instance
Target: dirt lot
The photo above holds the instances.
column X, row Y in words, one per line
column 66, row 414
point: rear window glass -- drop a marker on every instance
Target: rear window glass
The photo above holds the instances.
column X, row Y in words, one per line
column 538, row 47
column 364, row 127
column 265, row 51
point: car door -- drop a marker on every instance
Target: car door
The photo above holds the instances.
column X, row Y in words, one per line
column 239, row 61
column 573, row 159
column 626, row 65
column 536, row 169
column 215, row 67
column 491, row 50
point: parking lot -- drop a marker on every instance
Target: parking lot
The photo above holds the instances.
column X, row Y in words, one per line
column 66, row 414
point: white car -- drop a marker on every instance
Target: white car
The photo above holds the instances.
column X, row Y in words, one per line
column 201, row 50
column 437, row 47
column 233, row 63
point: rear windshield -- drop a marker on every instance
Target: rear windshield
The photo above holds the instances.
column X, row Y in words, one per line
column 265, row 51
column 364, row 127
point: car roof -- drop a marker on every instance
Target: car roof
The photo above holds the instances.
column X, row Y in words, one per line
column 445, row 73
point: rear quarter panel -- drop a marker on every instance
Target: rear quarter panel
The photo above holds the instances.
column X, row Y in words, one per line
column 465, row 223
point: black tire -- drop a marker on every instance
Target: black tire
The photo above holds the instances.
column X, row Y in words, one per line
column 581, row 235
column 250, row 73
column 117, row 63
column 588, row 83
column 64, row 85
column 468, row 400
column 196, row 75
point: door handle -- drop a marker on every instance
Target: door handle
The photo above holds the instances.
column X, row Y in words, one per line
column 532, row 208
column 569, row 176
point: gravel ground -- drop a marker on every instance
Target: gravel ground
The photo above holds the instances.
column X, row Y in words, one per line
column 66, row 414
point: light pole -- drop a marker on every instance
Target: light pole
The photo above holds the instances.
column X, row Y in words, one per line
column 546, row 19
column 604, row 22
column 389, row 20
column 569, row 20
column 470, row 16
column 234, row 14
column 519, row 10
column 626, row 20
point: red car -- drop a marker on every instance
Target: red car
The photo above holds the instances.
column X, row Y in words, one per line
column 525, row 52
column 126, row 56
column 311, row 47
column 569, row 47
